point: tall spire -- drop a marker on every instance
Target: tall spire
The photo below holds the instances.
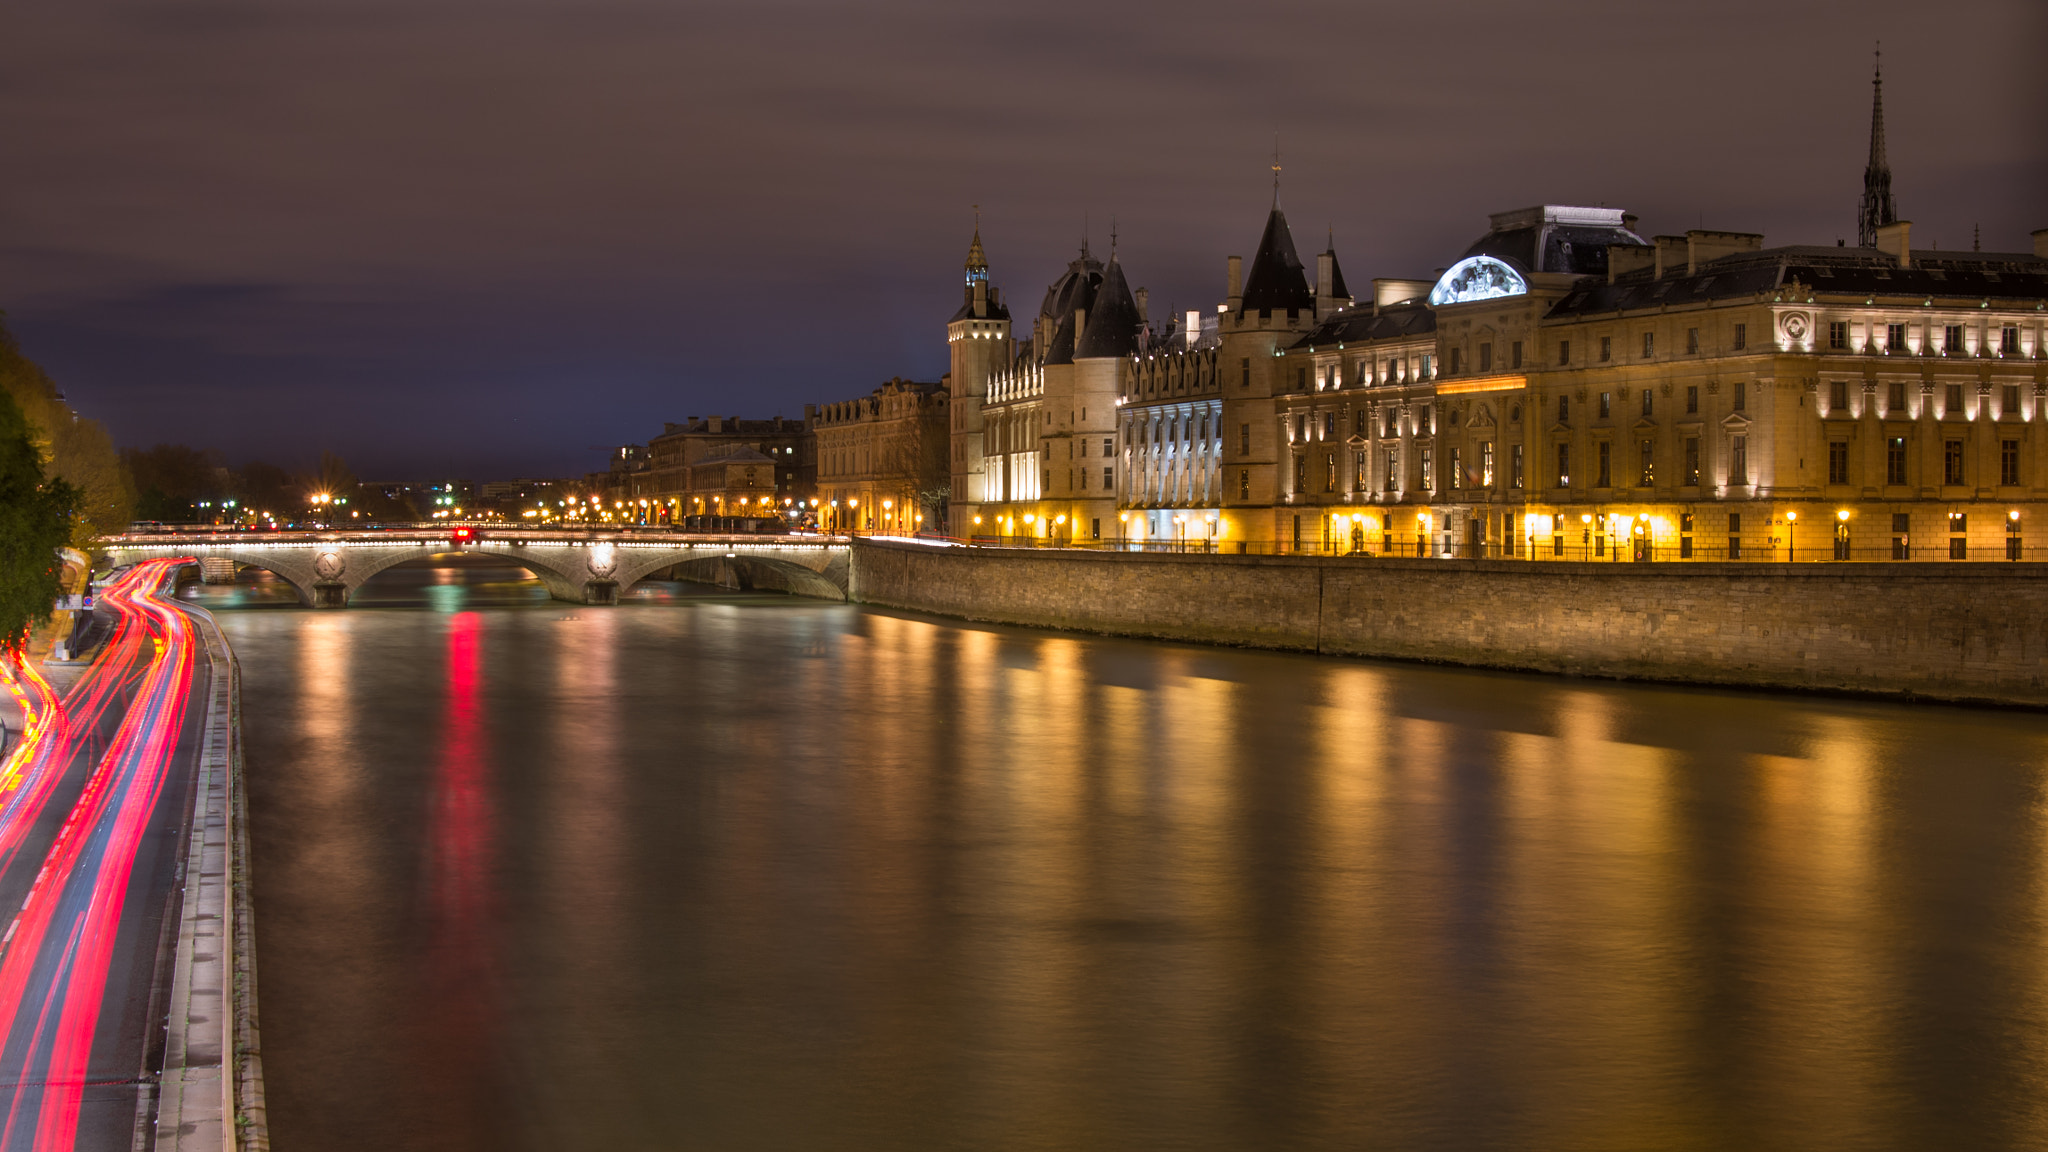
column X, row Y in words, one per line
column 1276, row 171
column 1877, row 210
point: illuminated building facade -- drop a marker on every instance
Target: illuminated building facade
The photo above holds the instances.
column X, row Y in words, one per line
column 1035, row 422
column 882, row 460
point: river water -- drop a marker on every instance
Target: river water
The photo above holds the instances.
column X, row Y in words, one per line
column 716, row 871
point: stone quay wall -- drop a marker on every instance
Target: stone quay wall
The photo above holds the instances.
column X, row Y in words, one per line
column 1969, row 631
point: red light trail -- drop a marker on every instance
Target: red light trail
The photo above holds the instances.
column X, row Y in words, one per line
column 55, row 957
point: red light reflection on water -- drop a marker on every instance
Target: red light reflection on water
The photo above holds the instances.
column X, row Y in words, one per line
column 462, row 970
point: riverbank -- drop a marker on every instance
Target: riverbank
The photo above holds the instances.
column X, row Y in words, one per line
column 211, row 1090
column 1960, row 633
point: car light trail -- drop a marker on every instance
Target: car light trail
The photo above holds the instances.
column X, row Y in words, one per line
column 54, row 967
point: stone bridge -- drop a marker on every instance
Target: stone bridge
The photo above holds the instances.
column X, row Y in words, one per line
column 581, row 567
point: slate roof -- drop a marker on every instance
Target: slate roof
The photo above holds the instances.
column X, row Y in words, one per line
column 2002, row 276
column 1358, row 325
column 1276, row 279
column 997, row 310
column 1113, row 322
column 1075, row 290
column 1337, row 287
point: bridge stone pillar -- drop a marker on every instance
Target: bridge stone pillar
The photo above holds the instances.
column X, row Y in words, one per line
column 330, row 590
column 603, row 564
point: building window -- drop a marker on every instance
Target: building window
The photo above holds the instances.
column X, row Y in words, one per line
column 1456, row 476
column 1486, row 464
column 2010, row 405
column 1301, row 379
column 1649, row 405
column 1393, row 470
column 1300, row 474
column 1838, row 461
column 1108, row 479
column 1838, row 334
column 1838, row 397
column 1515, row 466
column 1952, row 462
column 1564, row 353
column 1692, row 461
column 1606, row 405
column 1895, row 460
column 1564, row 465
column 1427, row 371
column 2008, row 462
column 2009, row 344
column 1952, row 340
column 1738, row 460
column 1901, row 524
column 1692, row 340
column 1606, row 349
column 1692, row 399
column 1358, row 479
column 1358, row 426
column 1486, row 357
column 1952, row 400
column 1329, row 471
column 1959, row 536
column 1244, row 439
column 1895, row 399
column 1604, row 458
column 1426, row 422
column 1428, row 470
column 1649, row 345
column 1895, row 339
column 1741, row 395
column 1390, row 424
column 1457, row 359
column 1647, row 455
column 1329, row 425
column 1515, row 351
column 1244, row 483
column 1564, row 409
column 1741, row 339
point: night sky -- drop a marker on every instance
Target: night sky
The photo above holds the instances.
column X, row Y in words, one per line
column 448, row 237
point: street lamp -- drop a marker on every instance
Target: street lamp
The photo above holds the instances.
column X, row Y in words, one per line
column 1791, row 536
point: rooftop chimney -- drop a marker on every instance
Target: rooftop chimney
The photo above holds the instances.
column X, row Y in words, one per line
column 1326, row 264
column 1623, row 259
column 1895, row 239
column 1702, row 247
column 1192, row 327
column 1142, row 296
column 1236, row 290
column 2041, row 243
column 1670, row 253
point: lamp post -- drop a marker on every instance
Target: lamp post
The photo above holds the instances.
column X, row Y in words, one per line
column 1791, row 536
column 1123, row 520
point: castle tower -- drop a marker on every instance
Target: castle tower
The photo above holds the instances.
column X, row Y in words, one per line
column 1877, row 210
column 978, row 338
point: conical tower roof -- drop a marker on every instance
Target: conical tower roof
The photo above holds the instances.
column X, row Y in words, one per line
column 1276, row 279
column 1113, row 321
column 1337, row 287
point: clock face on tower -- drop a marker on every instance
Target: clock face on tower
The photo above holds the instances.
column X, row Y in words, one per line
column 1477, row 278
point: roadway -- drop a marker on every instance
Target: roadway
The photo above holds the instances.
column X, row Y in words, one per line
column 93, row 803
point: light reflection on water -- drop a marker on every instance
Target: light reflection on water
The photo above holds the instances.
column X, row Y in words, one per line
column 752, row 872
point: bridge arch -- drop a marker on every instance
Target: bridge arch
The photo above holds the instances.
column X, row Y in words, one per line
column 325, row 569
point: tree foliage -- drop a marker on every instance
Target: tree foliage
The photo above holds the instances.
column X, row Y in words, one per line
column 35, row 520
column 68, row 447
